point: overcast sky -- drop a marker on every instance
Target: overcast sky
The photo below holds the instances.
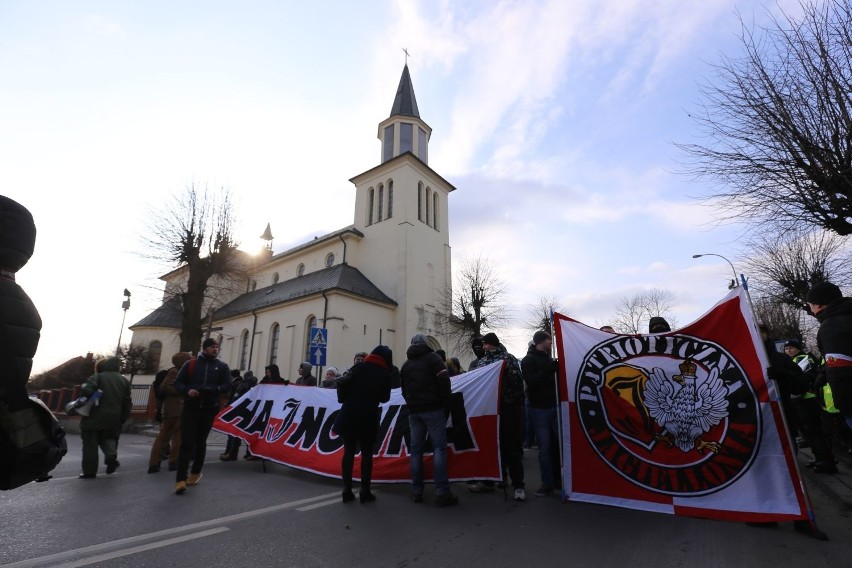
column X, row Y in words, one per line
column 555, row 121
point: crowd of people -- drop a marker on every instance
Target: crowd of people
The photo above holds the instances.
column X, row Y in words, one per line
column 814, row 395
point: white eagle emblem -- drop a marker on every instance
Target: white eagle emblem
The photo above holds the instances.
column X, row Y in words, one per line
column 686, row 407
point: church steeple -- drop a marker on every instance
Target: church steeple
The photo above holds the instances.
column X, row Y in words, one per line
column 404, row 131
column 405, row 103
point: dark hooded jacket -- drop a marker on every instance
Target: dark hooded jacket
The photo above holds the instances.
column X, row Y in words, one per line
column 20, row 323
column 361, row 391
column 113, row 408
column 539, row 370
column 425, row 380
column 306, row 378
column 210, row 376
column 835, row 338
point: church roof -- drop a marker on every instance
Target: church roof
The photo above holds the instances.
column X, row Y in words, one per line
column 341, row 277
column 169, row 314
column 405, row 104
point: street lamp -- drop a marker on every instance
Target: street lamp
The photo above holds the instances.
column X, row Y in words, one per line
column 735, row 281
column 125, row 305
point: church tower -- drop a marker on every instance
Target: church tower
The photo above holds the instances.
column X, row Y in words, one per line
column 401, row 207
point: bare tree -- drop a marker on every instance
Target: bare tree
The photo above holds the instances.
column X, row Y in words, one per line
column 135, row 359
column 633, row 313
column 195, row 231
column 476, row 303
column 540, row 314
column 778, row 123
column 785, row 266
column 785, row 321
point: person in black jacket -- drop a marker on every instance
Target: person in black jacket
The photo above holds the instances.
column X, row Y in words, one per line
column 834, row 340
column 539, row 370
column 426, row 389
column 201, row 381
column 361, row 391
column 31, row 441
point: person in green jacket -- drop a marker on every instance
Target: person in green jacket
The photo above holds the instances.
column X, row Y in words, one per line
column 101, row 427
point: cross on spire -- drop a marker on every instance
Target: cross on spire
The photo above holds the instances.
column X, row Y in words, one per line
column 407, row 55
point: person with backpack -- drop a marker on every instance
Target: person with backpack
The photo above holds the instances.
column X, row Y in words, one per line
column 201, row 381
column 169, row 416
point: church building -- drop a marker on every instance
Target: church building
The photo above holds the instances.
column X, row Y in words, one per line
column 377, row 281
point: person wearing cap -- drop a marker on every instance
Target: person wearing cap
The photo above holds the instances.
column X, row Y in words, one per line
column 476, row 347
column 305, row 376
column 425, row 384
column 200, row 381
column 360, row 394
column 834, row 340
column 802, row 411
column 539, row 370
column 511, row 415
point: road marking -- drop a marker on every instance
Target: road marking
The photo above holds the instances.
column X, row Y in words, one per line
column 321, row 504
column 142, row 548
column 61, row 556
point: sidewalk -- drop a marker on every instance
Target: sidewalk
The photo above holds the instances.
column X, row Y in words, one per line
column 837, row 485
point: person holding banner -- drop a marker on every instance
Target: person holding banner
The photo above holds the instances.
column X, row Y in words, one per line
column 539, row 370
column 511, row 414
column 360, row 392
column 426, row 390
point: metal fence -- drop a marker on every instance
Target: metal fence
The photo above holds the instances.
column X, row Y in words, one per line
column 139, row 394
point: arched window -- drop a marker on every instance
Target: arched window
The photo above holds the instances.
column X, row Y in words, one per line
column 244, row 347
column 329, row 260
column 275, row 278
column 275, row 336
column 301, row 270
column 428, row 199
column 435, row 210
column 381, row 202
column 370, row 206
column 419, row 201
column 311, row 322
column 155, row 351
column 390, row 198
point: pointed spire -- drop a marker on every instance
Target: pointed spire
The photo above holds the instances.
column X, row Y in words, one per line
column 267, row 236
column 405, row 104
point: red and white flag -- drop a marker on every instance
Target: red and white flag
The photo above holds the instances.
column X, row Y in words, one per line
column 292, row 425
column 683, row 422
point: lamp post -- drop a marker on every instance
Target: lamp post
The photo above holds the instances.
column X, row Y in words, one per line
column 735, row 281
column 125, row 305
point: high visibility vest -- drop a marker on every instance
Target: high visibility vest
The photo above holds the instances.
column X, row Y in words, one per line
column 828, row 398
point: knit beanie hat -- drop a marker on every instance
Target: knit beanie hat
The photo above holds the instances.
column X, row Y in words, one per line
column 540, row 336
column 491, row 338
column 208, row 342
column 657, row 324
column 385, row 353
column 823, row 294
column 419, row 338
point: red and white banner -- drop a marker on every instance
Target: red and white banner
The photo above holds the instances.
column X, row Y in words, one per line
column 292, row 424
column 684, row 422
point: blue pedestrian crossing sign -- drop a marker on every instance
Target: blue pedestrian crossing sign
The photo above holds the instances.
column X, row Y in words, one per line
column 319, row 344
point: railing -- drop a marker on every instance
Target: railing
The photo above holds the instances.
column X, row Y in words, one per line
column 142, row 399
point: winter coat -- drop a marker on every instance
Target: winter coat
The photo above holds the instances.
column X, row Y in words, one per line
column 306, row 378
column 172, row 399
column 513, row 383
column 360, row 393
column 210, row 377
column 834, row 339
column 539, row 371
column 20, row 323
column 424, row 380
column 113, row 408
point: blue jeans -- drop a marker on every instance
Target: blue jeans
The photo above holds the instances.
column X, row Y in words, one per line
column 547, row 430
column 435, row 424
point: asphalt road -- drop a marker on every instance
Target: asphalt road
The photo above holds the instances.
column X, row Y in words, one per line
column 240, row 516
